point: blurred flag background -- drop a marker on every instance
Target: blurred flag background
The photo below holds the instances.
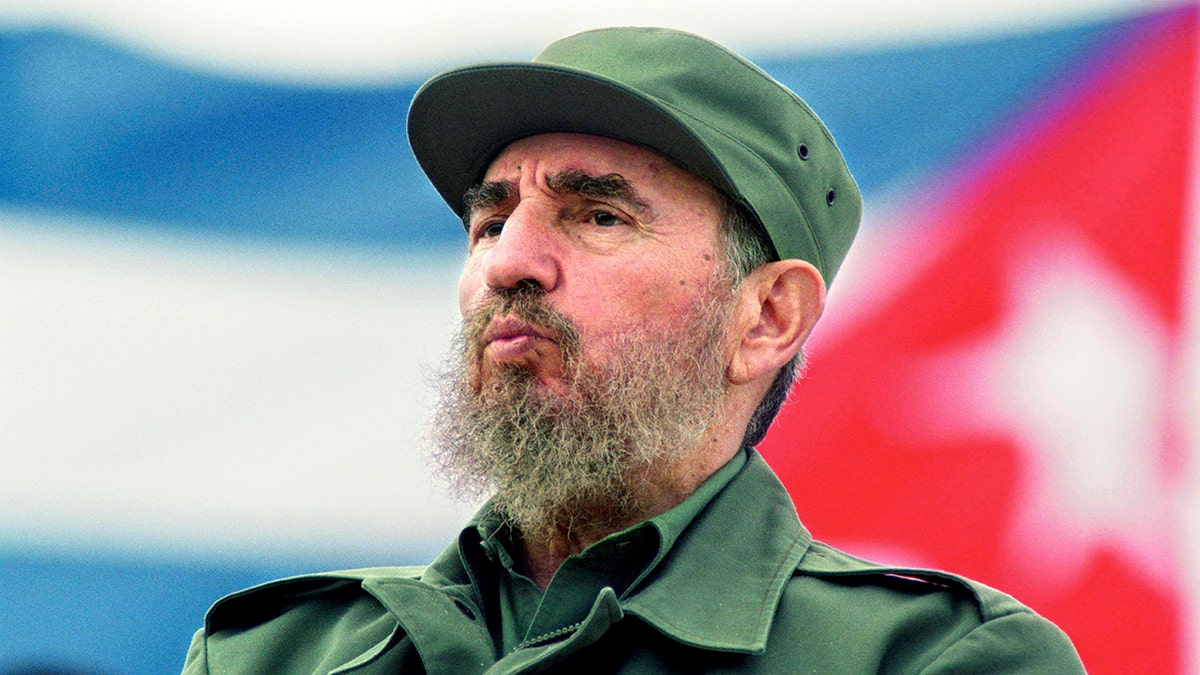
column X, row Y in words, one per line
column 223, row 281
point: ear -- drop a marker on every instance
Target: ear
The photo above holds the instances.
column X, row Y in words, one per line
column 779, row 305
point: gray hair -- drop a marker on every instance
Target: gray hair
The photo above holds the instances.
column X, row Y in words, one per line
column 746, row 248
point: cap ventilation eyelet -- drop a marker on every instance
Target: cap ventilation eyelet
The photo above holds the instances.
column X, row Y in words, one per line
column 802, row 151
column 830, row 196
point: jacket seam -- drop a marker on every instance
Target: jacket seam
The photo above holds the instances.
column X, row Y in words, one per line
column 552, row 635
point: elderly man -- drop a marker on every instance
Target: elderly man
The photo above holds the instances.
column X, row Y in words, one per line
column 651, row 225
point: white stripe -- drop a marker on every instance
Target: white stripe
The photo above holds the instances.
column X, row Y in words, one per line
column 371, row 40
column 173, row 395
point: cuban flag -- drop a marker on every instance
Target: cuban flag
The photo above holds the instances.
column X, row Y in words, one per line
column 1014, row 394
column 224, row 281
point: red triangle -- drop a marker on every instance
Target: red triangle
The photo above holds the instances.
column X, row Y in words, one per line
column 1110, row 167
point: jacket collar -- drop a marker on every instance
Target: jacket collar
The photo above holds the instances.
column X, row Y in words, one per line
column 719, row 585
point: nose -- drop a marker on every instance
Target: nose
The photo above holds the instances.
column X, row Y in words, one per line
column 525, row 252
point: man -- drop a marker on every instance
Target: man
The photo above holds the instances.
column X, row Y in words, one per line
column 652, row 223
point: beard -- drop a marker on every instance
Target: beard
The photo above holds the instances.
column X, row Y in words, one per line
column 599, row 455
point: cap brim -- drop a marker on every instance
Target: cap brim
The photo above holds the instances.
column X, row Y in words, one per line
column 460, row 120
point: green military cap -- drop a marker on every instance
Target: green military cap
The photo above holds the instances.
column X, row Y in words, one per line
column 683, row 96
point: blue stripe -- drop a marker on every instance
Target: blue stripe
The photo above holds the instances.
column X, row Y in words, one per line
column 106, row 615
column 94, row 130
column 101, row 614
column 902, row 113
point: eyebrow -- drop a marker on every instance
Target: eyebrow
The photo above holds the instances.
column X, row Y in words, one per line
column 490, row 194
column 486, row 195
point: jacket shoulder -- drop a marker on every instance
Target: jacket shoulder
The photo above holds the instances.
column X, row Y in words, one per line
column 932, row 620
column 825, row 561
column 310, row 623
column 269, row 600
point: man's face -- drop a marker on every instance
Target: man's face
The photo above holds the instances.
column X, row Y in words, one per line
column 616, row 236
column 595, row 304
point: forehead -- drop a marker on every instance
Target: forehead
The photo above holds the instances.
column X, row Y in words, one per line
column 650, row 172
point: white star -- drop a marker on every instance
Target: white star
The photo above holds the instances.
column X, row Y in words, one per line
column 1078, row 376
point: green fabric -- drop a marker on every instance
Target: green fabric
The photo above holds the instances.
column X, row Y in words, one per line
column 743, row 588
column 528, row 617
column 619, row 561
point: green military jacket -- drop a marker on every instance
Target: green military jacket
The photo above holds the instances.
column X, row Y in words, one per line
column 743, row 589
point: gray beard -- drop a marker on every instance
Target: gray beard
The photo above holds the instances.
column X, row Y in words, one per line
column 599, row 456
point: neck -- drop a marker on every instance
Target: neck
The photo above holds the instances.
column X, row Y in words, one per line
column 542, row 556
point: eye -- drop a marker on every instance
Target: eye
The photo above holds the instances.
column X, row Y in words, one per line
column 492, row 229
column 606, row 219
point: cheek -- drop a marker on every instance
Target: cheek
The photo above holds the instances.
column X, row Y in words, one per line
column 666, row 292
column 469, row 284
column 654, row 304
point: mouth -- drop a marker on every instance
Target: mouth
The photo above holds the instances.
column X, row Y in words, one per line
column 508, row 336
column 511, row 344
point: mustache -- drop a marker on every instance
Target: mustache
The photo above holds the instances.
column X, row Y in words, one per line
column 527, row 303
